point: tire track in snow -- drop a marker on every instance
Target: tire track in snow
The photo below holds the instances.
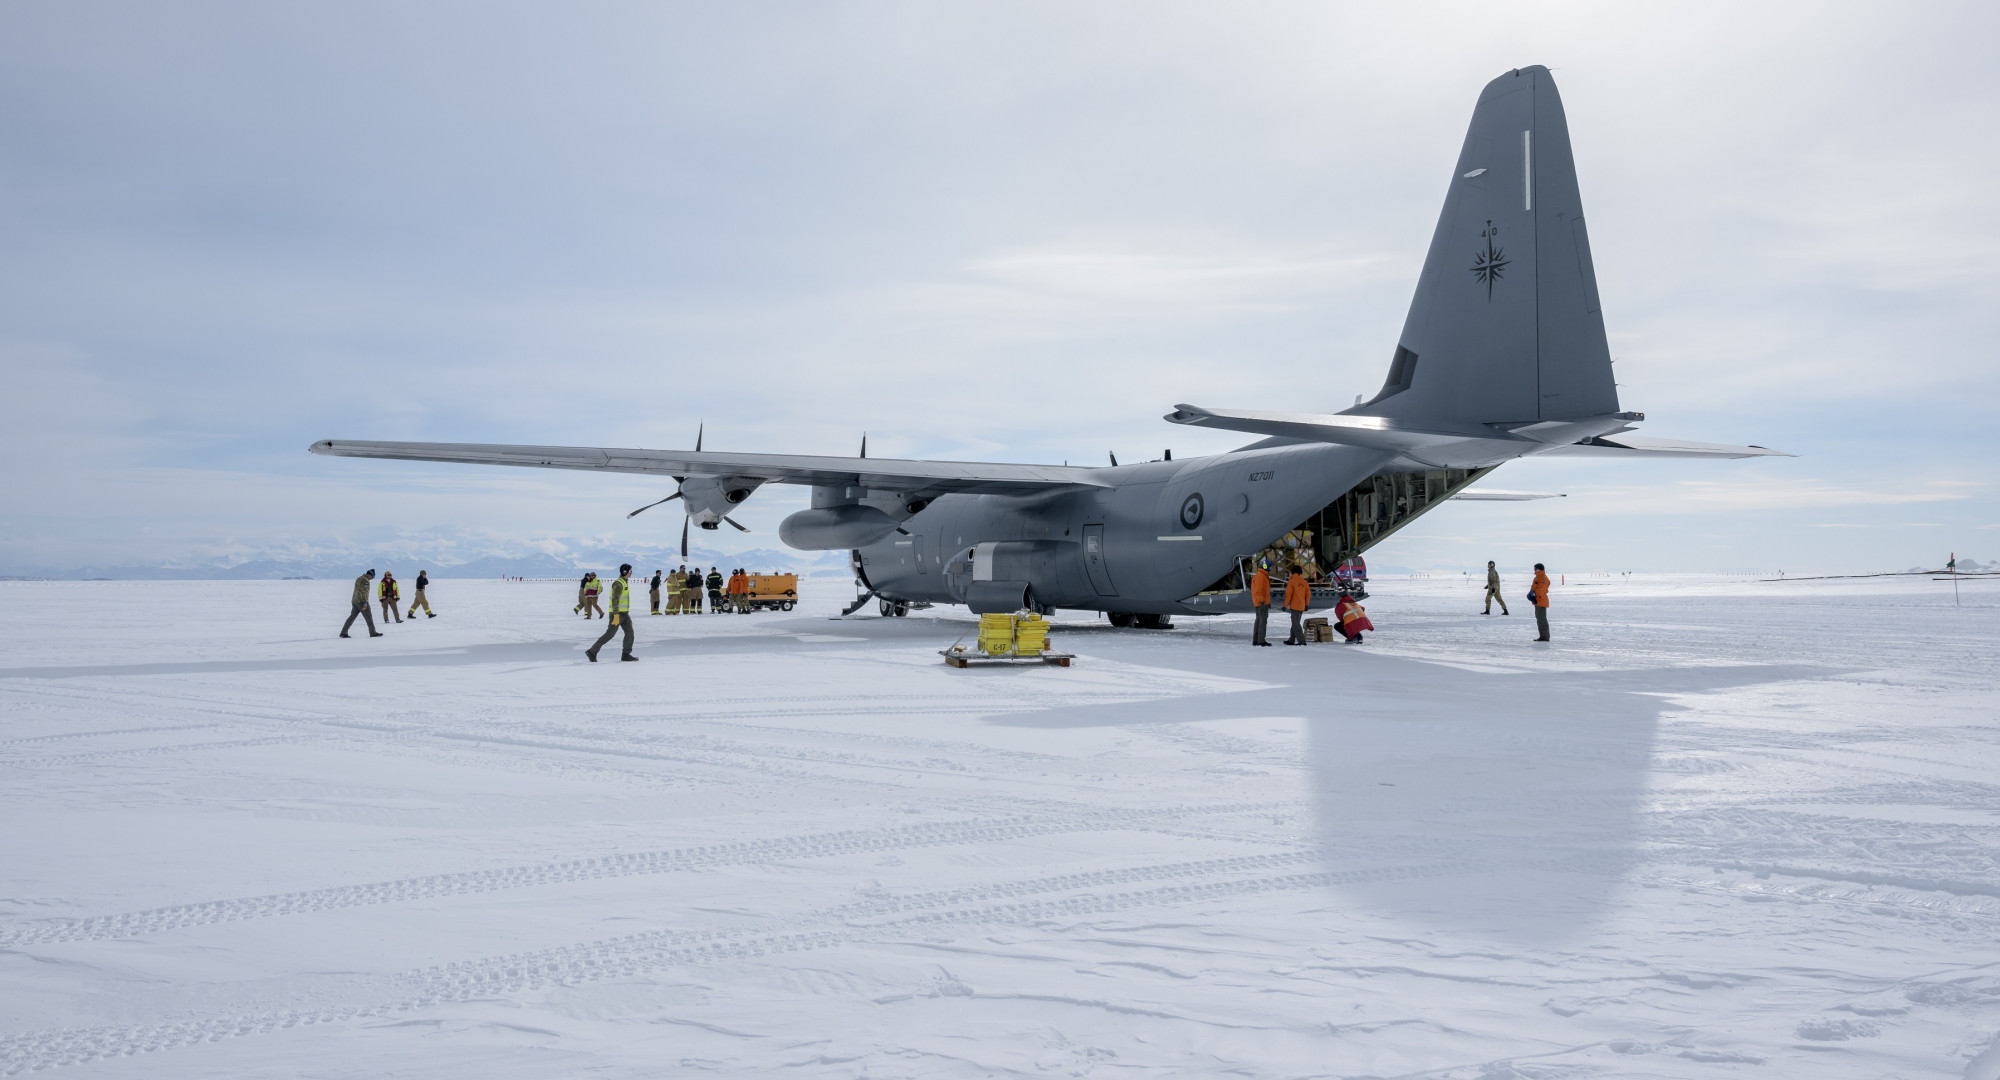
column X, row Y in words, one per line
column 638, row 954
column 99, row 755
column 811, row 845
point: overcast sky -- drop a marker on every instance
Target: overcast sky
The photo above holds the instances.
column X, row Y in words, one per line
column 1005, row 232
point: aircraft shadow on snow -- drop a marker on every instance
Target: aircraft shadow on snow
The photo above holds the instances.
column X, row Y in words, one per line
column 1502, row 803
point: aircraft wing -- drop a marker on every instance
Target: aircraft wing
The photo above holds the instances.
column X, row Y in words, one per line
column 1503, row 495
column 1627, row 445
column 882, row 474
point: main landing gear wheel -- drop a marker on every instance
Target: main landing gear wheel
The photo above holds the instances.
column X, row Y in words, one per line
column 1120, row 619
column 1156, row 622
column 894, row 609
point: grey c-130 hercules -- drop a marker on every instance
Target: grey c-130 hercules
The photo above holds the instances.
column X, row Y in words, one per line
column 1502, row 356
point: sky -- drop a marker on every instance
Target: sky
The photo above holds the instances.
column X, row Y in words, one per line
column 1018, row 232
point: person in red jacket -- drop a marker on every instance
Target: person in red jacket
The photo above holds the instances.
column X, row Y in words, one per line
column 1297, row 595
column 1260, row 601
column 1351, row 619
column 1541, row 600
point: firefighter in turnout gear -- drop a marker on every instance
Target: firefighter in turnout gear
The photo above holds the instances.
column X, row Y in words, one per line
column 714, row 591
column 423, row 582
column 620, row 615
column 390, row 593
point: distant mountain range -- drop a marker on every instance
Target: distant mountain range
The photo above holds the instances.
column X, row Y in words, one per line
column 558, row 557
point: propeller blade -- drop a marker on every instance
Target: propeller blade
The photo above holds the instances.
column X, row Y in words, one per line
column 1114, row 458
column 650, row 505
column 699, row 428
column 864, row 444
column 684, row 537
column 739, row 528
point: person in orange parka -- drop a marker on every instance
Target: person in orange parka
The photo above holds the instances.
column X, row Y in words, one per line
column 1297, row 595
column 1540, row 597
column 1260, row 600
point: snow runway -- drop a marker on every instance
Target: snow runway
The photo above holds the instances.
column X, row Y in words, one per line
column 1718, row 828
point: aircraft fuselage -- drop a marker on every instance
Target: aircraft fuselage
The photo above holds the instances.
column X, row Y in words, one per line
column 1161, row 533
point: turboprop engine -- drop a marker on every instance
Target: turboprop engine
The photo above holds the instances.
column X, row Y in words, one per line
column 710, row 498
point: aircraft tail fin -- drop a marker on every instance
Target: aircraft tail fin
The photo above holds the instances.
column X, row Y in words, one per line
column 1505, row 325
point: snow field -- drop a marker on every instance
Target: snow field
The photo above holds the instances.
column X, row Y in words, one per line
column 1717, row 828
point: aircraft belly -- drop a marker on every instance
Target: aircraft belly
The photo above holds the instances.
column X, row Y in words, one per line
column 1162, row 539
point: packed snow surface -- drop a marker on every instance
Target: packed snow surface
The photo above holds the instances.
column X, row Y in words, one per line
column 1718, row 828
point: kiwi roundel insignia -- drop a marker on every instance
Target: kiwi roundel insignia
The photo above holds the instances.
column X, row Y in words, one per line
column 1191, row 511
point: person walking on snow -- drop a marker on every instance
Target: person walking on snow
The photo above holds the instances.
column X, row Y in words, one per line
column 1298, row 593
column 361, row 606
column 1540, row 597
column 581, row 587
column 620, row 617
column 590, row 593
column 423, row 582
column 1260, row 601
column 1493, row 590
column 389, row 593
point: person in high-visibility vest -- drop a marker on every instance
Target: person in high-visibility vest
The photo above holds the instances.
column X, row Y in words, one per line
column 1351, row 619
column 620, row 614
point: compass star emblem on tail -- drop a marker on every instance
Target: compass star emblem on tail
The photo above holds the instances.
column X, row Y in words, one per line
column 1489, row 265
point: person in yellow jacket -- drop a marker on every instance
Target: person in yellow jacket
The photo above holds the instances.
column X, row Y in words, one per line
column 390, row 593
column 620, row 615
column 1260, row 601
column 1541, row 600
column 1298, row 593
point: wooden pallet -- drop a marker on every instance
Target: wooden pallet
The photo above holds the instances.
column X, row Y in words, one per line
column 967, row 659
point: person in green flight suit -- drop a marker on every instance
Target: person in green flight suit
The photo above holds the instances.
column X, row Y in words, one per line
column 361, row 606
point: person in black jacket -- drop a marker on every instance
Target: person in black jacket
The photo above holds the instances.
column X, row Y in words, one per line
column 656, row 592
column 691, row 591
column 714, row 590
column 423, row 582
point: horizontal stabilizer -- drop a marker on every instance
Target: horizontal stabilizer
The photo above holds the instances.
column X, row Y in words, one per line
column 1624, row 445
column 1501, row 495
column 1373, row 432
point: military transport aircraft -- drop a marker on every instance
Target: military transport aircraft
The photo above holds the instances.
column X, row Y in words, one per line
column 1502, row 356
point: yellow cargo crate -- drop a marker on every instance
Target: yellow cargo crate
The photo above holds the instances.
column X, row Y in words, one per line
column 1003, row 636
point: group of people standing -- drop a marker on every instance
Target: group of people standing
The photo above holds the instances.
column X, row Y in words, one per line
column 1349, row 619
column 683, row 589
column 390, row 593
